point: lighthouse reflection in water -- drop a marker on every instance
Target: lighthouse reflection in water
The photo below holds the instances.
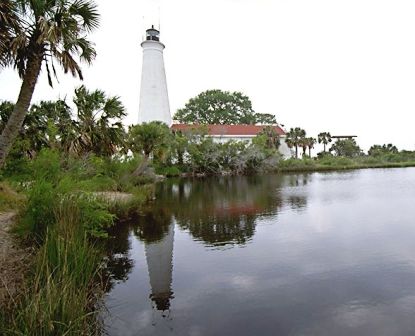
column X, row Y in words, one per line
column 189, row 225
column 159, row 256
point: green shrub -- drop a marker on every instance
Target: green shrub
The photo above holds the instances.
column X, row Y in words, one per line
column 47, row 165
column 38, row 214
column 171, row 171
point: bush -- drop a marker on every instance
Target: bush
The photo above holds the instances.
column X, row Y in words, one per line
column 172, row 171
column 38, row 214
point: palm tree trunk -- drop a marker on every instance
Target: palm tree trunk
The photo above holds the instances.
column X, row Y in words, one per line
column 296, row 151
column 142, row 166
column 309, row 151
column 324, row 147
column 15, row 122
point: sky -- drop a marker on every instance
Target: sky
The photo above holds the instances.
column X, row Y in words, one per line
column 343, row 66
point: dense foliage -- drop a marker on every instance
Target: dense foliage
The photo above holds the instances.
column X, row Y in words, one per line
column 65, row 214
column 221, row 107
column 324, row 138
column 35, row 33
column 378, row 150
column 95, row 126
column 346, row 148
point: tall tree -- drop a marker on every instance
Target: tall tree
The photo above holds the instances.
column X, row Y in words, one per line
column 99, row 126
column 9, row 26
column 311, row 143
column 265, row 119
column 46, row 124
column 271, row 137
column 221, row 107
column 41, row 32
column 324, row 138
column 295, row 137
column 303, row 143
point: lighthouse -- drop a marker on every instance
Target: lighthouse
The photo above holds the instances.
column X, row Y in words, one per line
column 154, row 99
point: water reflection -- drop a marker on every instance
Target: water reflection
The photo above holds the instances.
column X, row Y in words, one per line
column 324, row 254
column 221, row 211
column 118, row 261
column 218, row 211
column 159, row 257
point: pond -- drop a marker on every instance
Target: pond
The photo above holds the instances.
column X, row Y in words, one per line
column 298, row 254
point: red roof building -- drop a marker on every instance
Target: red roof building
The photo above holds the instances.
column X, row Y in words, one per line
column 225, row 133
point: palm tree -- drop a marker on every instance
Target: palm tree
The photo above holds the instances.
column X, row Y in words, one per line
column 324, row 138
column 293, row 138
column 9, row 25
column 45, row 125
column 147, row 139
column 272, row 137
column 39, row 32
column 303, row 143
column 98, row 128
column 311, row 143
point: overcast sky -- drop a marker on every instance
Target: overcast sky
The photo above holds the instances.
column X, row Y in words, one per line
column 344, row 66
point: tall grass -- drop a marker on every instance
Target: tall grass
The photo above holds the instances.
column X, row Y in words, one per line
column 59, row 298
column 65, row 220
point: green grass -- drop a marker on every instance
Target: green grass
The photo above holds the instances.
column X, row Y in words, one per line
column 63, row 219
column 9, row 198
column 339, row 163
column 58, row 298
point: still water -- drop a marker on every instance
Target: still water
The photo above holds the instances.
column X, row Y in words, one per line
column 304, row 254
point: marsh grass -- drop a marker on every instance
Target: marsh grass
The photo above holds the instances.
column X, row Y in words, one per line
column 66, row 222
column 61, row 295
column 330, row 163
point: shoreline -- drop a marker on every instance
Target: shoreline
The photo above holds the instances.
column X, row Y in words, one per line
column 323, row 168
column 305, row 169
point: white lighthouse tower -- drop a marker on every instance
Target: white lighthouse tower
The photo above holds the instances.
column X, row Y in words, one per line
column 154, row 99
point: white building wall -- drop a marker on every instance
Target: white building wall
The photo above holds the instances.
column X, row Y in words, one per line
column 154, row 99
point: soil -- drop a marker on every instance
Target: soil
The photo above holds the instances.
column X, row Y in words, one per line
column 14, row 260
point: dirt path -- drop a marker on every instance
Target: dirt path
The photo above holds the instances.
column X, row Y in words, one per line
column 13, row 260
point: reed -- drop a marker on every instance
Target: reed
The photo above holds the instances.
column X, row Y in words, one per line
column 60, row 296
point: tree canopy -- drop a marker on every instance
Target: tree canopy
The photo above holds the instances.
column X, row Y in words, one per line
column 346, row 147
column 93, row 127
column 378, row 150
column 324, row 138
column 38, row 32
column 295, row 138
column 221, row 107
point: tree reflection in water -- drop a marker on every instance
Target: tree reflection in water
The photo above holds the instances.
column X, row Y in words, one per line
column 221, row 211
column 217, row 211
column 118, row 261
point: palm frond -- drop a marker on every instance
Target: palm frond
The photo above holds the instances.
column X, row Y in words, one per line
column 87, row 11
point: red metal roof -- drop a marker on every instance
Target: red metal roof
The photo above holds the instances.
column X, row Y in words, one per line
column 227, row 129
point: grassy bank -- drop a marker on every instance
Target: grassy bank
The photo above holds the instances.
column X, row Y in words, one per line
column 341, row 163
column 65, row 216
